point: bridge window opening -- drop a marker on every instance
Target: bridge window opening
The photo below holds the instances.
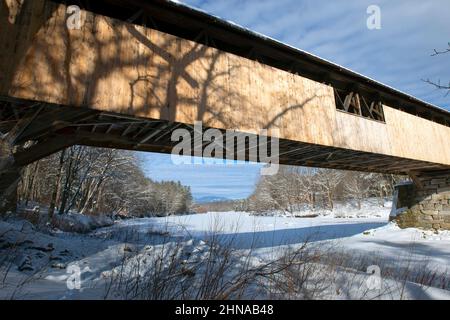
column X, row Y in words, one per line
column 353, row 102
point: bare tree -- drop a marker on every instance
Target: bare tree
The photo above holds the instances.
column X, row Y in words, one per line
column 437, row 84
column 99, row 181
column 357, row 186
column 328, row 181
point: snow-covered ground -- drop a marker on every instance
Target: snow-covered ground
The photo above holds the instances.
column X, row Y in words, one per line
column 40, row 264
column 342, row 209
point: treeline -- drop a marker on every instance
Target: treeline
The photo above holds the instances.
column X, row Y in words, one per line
column 296, row 188
column 293, row 188
column 98, row 181
column 221, row 206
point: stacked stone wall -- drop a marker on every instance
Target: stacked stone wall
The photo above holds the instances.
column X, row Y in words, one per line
column 427, row 201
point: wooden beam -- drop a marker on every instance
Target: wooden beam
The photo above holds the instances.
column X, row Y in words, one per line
column 22, row 124
column 168, row 131
column 127, row 130
column 348, row 101
column 55, row 119
column 25, row 156
column 154, row 132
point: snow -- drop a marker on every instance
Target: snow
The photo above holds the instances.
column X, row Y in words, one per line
column 45, row 257
column 392, row 242
column 268, row 232
column 369, row 208
column 75, row 222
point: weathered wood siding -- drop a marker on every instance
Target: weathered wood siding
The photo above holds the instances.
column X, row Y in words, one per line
column 114, row 66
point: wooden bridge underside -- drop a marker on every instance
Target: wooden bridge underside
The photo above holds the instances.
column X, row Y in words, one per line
column 46, row 125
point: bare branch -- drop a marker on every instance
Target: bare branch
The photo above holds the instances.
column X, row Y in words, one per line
column 436, row 52
column 438, row 85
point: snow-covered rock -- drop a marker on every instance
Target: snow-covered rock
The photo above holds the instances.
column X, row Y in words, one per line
column 75, row 222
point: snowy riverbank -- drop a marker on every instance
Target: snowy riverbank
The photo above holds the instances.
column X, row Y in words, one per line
column 39, row 265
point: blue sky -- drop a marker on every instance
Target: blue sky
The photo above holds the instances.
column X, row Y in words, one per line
column 232, row 179
column 399, row 55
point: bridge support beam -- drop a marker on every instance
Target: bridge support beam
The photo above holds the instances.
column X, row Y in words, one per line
column 8, row 189
column 9, row 178
column 425, row 203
